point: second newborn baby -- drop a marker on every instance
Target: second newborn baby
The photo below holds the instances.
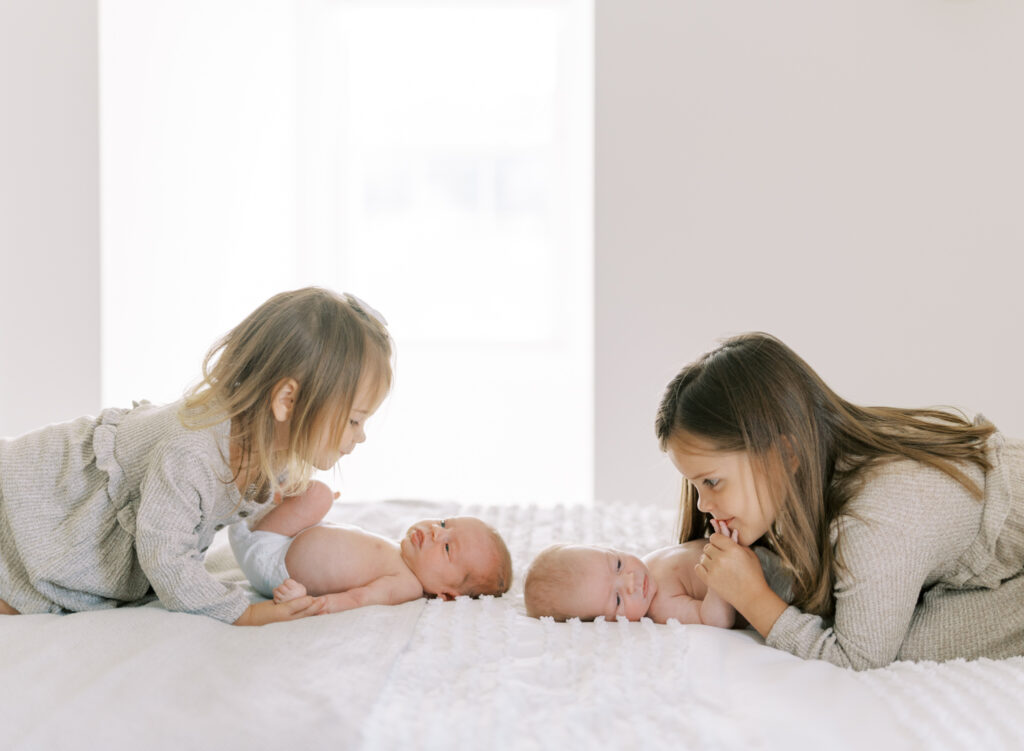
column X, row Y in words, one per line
column 586, row 581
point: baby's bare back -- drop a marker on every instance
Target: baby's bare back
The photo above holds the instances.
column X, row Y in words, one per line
column 337, row 558
column 673, row 569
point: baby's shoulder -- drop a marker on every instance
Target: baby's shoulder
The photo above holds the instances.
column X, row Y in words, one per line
column 673, row 567
column 673, row 556
column 361, row 537
column 405, row 585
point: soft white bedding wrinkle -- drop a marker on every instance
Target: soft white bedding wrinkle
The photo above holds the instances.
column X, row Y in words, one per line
column 474, row 674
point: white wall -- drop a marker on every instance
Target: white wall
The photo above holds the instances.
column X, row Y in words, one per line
column 196, row 231
column 846, row 175
column 49, row 212
column 231, row 150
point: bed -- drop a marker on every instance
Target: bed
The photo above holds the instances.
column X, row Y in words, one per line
column 473, row 673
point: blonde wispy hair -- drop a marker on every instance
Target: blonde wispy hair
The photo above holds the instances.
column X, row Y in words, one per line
column 498, row 578
column 328, row 343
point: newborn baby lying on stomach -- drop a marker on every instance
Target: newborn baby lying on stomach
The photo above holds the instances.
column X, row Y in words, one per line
column 586, row 581
column 289, row 554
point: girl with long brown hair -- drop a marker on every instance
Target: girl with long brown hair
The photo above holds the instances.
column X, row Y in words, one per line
column 100, row 511
column 902, row 529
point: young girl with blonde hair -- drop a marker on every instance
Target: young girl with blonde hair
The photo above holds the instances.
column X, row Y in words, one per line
column 97, row 512
column 903, row 529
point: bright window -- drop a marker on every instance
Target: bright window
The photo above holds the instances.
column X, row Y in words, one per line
column 437, row 161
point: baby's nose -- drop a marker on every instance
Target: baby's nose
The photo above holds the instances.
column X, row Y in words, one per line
column 435, row 531
column 630, row 582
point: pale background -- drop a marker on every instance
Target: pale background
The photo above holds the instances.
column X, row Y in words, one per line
column 847, row 175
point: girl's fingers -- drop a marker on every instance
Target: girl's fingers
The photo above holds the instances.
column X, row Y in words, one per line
column 718, row 542
column 311, row 606
column 736, row 537
column 714, row 526
column 299, row 604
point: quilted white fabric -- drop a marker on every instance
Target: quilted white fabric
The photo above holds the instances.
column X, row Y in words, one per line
column 473, row 674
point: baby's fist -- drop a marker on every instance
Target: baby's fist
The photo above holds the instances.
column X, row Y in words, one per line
column 289, row 589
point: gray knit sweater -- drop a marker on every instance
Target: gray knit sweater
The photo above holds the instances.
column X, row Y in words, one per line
column 96, row 511
column 931, row 573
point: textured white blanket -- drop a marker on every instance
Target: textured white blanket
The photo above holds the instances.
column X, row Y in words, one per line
column 473, row 674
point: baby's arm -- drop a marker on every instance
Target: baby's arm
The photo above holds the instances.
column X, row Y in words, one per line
column 298, row 512
column 671, row 566
column 711, row 611
column 386, row 590
column 683, row 608
column 714, row 611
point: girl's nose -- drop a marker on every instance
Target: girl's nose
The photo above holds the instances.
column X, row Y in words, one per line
column 361, row 435
column 702, row 505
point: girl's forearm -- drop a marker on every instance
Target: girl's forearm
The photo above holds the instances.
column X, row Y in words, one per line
column 762, row 609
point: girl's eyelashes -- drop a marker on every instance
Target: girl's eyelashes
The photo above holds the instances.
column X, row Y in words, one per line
column 711, row 482
column 354, row 423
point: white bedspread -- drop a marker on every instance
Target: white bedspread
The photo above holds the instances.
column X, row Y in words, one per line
column 473, row 674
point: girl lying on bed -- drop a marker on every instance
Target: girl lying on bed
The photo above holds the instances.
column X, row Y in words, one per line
column 903, row 528
column 289, row 554
column 586, row 581
column 99, row 511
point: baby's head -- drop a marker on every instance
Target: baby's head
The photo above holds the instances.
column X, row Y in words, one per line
column 585, row 581
column 460, row 555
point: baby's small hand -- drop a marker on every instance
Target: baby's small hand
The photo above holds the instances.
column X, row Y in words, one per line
column 289, row 589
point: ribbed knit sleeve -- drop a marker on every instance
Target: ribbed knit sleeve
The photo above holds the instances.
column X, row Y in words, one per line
column 904, row 530
column 178, row 502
